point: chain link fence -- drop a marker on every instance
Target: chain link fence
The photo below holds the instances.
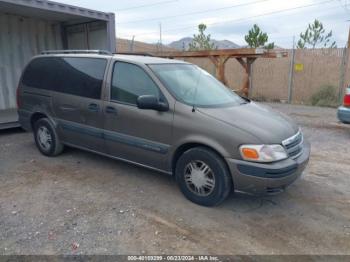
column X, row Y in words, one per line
column 310, row 77
column 315, row 77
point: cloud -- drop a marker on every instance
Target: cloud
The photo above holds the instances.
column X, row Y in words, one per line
column 230, row 23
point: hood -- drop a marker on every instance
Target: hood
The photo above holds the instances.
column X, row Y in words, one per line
column 267, row 125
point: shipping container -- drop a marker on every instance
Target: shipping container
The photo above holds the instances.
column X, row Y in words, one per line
column 29, row 27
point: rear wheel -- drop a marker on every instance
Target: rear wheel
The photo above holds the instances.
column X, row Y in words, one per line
column 46, row 138
column 203, row 176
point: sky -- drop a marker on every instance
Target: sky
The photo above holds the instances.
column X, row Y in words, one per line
column 225, row 19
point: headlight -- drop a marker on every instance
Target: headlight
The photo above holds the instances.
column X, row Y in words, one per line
column 263, row 153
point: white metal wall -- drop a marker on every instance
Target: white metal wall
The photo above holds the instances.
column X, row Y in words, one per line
column 91, row 35
column 20, row 39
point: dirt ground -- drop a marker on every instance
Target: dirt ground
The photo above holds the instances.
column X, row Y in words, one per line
column 81, row 203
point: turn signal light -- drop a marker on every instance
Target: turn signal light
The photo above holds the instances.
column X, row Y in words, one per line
column 250, row 153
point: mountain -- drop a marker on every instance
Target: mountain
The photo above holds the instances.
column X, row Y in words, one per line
column 184, row 43
column 125, row 45
column 181, row 44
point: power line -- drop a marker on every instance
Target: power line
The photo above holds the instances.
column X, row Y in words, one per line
column 344, row 6
column 282, row 40
column 147, row 5
column 192, row 13
column 270, row 34
column 245, row 18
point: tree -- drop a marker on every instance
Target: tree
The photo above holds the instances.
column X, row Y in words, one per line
column 256, row 38
column 201, row 41
column 316, row 36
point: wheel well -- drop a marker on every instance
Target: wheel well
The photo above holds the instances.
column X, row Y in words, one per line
column 35, row 117
column 183, row 148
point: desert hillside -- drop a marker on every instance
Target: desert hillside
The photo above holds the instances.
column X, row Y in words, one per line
column 124, row 45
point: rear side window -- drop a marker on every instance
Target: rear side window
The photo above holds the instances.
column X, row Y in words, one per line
column 71, row 75
column 131, row 81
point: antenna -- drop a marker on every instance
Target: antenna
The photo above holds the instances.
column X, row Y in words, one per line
column 196, row 90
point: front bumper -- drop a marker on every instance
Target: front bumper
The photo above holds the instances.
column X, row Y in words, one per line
column 258, row 178
column 344, row 114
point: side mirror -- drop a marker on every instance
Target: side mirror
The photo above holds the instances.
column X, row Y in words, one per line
column 151, row 102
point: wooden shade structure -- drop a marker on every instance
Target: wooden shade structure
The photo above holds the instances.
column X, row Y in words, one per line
column 245, row 56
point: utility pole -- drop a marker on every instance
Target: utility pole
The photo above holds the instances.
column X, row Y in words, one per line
column 291, row 73
column 160, row 37
column 131, row 48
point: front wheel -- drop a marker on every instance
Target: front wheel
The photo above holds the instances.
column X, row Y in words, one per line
column 203, row 176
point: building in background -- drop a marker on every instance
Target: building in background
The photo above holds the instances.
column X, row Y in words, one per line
column 28, row 27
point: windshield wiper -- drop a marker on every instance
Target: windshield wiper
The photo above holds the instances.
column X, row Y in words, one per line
column 246, row 100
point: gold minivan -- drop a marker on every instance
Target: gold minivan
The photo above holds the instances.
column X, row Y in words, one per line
column 167, row 115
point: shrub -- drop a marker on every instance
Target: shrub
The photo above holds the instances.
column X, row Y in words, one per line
column 326, row 96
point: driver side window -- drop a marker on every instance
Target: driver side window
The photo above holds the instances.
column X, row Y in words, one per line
column 129, row 81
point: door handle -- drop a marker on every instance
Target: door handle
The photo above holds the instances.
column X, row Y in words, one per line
column 93, row 107
column 68, row 108
column 111, row 110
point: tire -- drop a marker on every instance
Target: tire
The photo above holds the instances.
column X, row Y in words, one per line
column 192, row 171
column 53, row 147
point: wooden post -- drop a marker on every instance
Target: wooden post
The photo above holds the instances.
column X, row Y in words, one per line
column 250, row 61
column 219, row 62
column 245, row 86
column 247, row 65
column 220, row 57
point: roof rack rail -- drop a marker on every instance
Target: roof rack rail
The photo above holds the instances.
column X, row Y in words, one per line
column 99, row 52
column 135, row 53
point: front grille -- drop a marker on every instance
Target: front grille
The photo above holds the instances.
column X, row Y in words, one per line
column 294, row 145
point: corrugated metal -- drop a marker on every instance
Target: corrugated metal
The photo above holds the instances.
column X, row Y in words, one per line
column 28, row 27
column 66, row 14
column 20, row 39
column 59, row 10
column 91, row 35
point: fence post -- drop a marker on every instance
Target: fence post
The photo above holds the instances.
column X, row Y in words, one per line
column 131, row 45
column 343, row 71
column 342, row 74
column 291, row 75
column 250, row 94
column 343, row 68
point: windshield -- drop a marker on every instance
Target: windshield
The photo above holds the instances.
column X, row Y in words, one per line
column 192, row 85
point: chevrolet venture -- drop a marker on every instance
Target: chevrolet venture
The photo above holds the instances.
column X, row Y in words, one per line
column 162, row 114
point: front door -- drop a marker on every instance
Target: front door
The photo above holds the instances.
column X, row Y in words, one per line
column 141, row 136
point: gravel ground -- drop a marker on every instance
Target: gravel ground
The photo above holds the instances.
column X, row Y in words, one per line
column 81, row 203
